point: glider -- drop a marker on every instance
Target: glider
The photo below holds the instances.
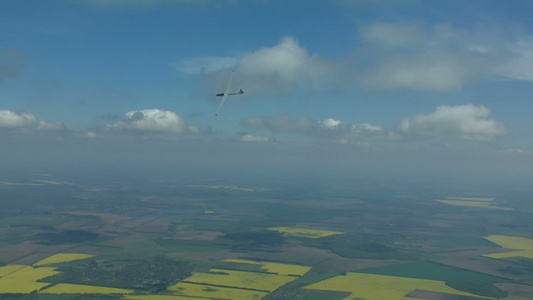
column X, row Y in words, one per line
column 227, row 93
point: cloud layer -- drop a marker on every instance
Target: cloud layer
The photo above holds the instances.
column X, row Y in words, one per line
column 462, row 121
column 416, row 56
column 335, row 130
column 442, row 57
column 149, row 121
column 272, row 70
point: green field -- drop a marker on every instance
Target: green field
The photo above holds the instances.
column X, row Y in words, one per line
column 459, row 279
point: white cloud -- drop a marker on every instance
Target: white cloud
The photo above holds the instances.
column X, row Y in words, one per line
column 253, row 138
column 193, row 129
column 441, row 57
column 9, row 119
column 150, row 121
column 517, row 151
column 330, row 123
column 199, row 65
column 463, row 121
column 434, row 70
column 390, row 34
column 45, row 126
column 26, row 121
column 282, row 67
column 520, row 64
column 415, row 56
column 270, row 70
column 336, row 130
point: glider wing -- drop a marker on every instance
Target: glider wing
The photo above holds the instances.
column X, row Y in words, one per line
column 225, row 95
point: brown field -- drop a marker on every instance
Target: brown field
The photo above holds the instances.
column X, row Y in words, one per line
column 473, row 260
column 515, row 290
column 130, row 239
column 42, row 253
column 109, row 219
column 133, row 223
column 12, row 253
column 93, row 250
column 159, row 225
column 71, row 225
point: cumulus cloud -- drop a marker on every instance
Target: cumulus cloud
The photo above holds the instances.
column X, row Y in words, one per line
column 520, row 63
column 11, row 64
column 390, row 34
column 26, row 121
column 253, row 138
column 150, row 121
column 281, row 67
column 462, row 121
column 441, row 57
column 329, row 128
column 416, row 56
column 517, row 151
column 434, row 71
column 270, row 70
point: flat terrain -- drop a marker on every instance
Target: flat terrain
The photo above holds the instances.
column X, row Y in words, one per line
column 210, row 238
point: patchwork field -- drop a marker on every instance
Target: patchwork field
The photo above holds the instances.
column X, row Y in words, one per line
column 61, row 258
column 512, row 242
column 23, row 280
column 67, row 288
column 304, row 232
column 379, row 287
column 214, row 292
column 214, row 240
column 472, row 202
column 277, row 268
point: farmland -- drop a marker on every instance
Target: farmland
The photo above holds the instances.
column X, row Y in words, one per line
column 61, row 258
column 368, row 286
column 246, row 240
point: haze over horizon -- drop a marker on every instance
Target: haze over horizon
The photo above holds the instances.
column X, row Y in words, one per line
column 392, row 89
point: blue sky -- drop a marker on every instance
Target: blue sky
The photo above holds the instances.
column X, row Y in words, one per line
column 419, row 86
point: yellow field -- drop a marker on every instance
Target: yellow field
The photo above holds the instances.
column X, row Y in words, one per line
column 24, row 280
column 378, row 287
column 214, row 292
column 304, row 232
column 60, row 258
column 241, row 279
column 277, row 268
column 10, row 269
column 67, row 288
column 511, row 242
column 472, row 202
